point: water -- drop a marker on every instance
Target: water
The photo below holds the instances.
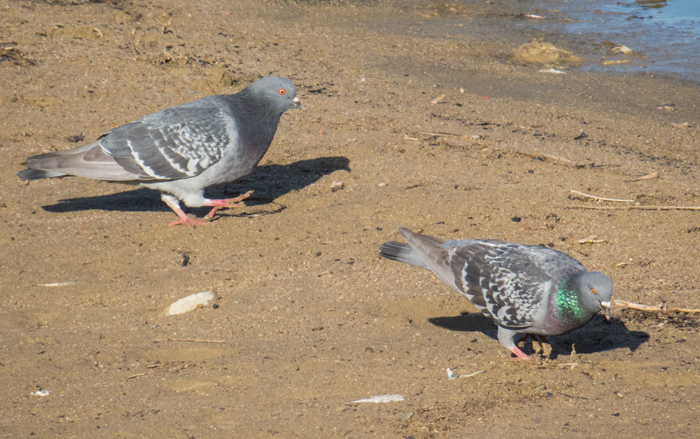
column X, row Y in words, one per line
column 666, row 31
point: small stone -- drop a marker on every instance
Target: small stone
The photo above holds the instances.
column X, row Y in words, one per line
column 336, row 186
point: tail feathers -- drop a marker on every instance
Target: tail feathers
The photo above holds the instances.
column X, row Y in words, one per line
column 89, row 161
column 435, row 257
column 401, row 252
column 38, row 174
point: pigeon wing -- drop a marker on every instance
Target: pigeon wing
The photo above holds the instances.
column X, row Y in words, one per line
column 174, row 143
column 505, row 281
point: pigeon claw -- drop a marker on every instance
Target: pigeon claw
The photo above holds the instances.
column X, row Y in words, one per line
column 227, row 203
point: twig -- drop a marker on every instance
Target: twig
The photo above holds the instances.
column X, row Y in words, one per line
column 569, row 206
column 138, row 375
column 278, row 209
column 559, row 160
column 437, row 99
column 647, row 177
column 600, row 198
column 467, row 375
column 157, row 340
column 592, row 240
column 443, row 134
column 658, row 308
column 568, row 364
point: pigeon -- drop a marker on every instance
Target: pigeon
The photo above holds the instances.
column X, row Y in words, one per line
column 524, row 289
column 182, row 150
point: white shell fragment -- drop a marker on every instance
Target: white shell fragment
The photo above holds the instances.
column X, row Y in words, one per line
column 382, row 398
column 41, row 393
column 190, row 303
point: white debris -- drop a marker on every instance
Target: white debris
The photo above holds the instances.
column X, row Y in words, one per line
column 450, row 374
column 58, row 284
column 621, row 49
column 190, row 303
column 382, row 398
column 550, row 70
column 41, row 393
column 467, row 375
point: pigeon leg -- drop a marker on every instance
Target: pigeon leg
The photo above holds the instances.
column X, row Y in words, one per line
column 505, row 336
column 184, row 219
column 229, row 203
column 519, row 355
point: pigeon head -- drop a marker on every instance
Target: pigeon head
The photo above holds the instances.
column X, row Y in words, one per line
column 595, row 290
column 278, row 94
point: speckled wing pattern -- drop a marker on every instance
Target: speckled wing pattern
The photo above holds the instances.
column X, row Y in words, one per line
column 508, row 282
column 178, row 142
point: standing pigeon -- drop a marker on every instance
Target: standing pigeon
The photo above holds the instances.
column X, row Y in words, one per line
column 524, row 289
column 183, row 149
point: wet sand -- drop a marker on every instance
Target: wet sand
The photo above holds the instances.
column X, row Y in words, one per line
column 423, row 114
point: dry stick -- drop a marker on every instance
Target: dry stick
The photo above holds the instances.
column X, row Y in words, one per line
column 467, row 375
column 658, row 308
column 568, row 206
column 187, row 339
column 443, row 134
column 647, row 177
column 138, row 375
column 559, row 160
column 600, row 198
column 592, row 240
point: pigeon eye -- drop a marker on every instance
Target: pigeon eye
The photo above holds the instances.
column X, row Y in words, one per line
column 282, row 92
column 592, row 290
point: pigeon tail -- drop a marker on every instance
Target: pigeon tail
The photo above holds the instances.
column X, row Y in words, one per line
column 401, row 252
column 433, row 255
column 38, row 174
column 89, row 161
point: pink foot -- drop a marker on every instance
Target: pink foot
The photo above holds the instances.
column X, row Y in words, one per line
column 228, row 203
column 183, row 218
column 519, row 355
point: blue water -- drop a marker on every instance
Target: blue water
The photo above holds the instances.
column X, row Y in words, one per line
column 666, row 31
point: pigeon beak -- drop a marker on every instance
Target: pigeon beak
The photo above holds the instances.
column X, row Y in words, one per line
column 606, row 308
column 297, row 103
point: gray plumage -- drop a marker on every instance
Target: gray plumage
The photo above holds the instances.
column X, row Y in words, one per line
column 524, row 289
column 183, row 149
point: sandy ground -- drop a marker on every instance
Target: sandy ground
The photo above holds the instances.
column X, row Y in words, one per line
column 420, row 110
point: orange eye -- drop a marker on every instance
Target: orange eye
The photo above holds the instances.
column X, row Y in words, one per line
column 282, row 92
column 592, row 290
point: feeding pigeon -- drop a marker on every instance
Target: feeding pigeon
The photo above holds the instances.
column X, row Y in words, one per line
column 183, row 149
column 524, row 289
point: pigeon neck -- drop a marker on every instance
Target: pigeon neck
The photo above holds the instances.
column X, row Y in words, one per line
column 257, row 120
column 567, row 304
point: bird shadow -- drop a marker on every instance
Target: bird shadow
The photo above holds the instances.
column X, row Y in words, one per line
column 267, row 181
column 598, row 335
